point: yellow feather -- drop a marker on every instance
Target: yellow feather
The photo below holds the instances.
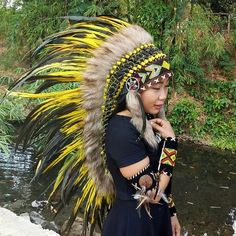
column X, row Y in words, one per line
column 67, row 150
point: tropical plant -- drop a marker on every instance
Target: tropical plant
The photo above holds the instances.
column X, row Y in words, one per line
column 184, row 115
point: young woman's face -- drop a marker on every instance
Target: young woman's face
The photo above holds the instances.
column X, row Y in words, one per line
column 153, row 99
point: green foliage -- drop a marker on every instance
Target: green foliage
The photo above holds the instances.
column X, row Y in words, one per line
column 152, row 20
column 5, row 129
column 227, row 142
column 213, row 104
column 219, row 5
column 25, row 27
column 186, row 30
column 183, row 116
column 12, row 109
column 193, row 43
column 227, row 64
column 94, row 8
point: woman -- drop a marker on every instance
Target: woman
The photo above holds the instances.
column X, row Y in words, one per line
column 132, row 161
column 113, row 149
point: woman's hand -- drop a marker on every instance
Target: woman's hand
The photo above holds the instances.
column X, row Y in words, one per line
column 163, row 127
column 176, row 229
column 153, row 197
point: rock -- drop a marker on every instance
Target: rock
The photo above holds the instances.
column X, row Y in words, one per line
column 234, row 228
column 15, row 206
column 77, row 227
column 39, row 204
column 36, row 218
column 13, row 225
column 25, row 215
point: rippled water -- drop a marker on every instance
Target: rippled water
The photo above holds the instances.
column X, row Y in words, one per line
column 15, row 175
column 204, row 188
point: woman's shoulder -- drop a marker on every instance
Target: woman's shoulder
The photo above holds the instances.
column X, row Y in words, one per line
column 119, row 122
column 121, row 125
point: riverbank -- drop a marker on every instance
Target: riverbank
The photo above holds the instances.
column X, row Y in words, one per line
column 206, row 143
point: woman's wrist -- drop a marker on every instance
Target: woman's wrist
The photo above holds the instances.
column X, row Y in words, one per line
column 171, row 205
column 172, row 211
column 171, row 142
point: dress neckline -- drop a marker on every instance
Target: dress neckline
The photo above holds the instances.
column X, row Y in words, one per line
column 119, row 115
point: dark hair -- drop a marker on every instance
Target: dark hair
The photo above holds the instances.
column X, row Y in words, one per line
column 121, row 104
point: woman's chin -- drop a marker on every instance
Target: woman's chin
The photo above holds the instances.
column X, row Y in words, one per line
column 154, row 111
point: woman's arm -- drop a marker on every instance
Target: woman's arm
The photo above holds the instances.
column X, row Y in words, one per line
column 141, row 175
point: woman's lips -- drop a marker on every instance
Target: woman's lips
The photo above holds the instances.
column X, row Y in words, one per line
column 158, row 106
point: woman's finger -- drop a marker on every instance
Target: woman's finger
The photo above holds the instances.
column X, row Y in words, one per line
column 156, row 126
column 178, row 231
column 173, row 230
column 158, row 121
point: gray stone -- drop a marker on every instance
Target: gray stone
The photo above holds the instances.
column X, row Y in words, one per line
column 77, row 228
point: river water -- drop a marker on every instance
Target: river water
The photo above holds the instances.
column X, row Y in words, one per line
column 204, row 188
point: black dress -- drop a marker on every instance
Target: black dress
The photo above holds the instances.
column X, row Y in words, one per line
column 123, row 148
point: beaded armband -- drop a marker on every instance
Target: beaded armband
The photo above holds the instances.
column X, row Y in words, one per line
column 168, row 156
column 143, row 182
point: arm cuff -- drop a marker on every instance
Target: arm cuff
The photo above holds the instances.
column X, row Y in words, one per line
column 171, row 205
column 172, row 211
column 171, row 143
column 168, row 155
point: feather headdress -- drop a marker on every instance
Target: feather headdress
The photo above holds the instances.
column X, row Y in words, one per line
column 106, row 57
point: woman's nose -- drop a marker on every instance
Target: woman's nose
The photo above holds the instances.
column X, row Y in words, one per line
column 163, row 93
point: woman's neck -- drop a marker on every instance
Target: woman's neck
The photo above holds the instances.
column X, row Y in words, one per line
column 124, row 113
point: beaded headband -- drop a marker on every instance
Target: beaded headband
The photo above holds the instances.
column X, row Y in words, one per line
column 139, row 70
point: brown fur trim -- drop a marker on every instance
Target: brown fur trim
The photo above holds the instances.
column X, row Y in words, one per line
column 98, row 68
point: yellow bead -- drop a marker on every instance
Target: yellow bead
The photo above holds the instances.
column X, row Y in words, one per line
column 131, row 71
column 139, row 67
column 143, row 63
column 135, row 68
column 142, row 46
column 122, row 59
column 135, row 51
column 114, row 67
column 118, row 63
column 127, row 56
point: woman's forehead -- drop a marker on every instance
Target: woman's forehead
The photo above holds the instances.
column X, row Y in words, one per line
column 164, row 81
